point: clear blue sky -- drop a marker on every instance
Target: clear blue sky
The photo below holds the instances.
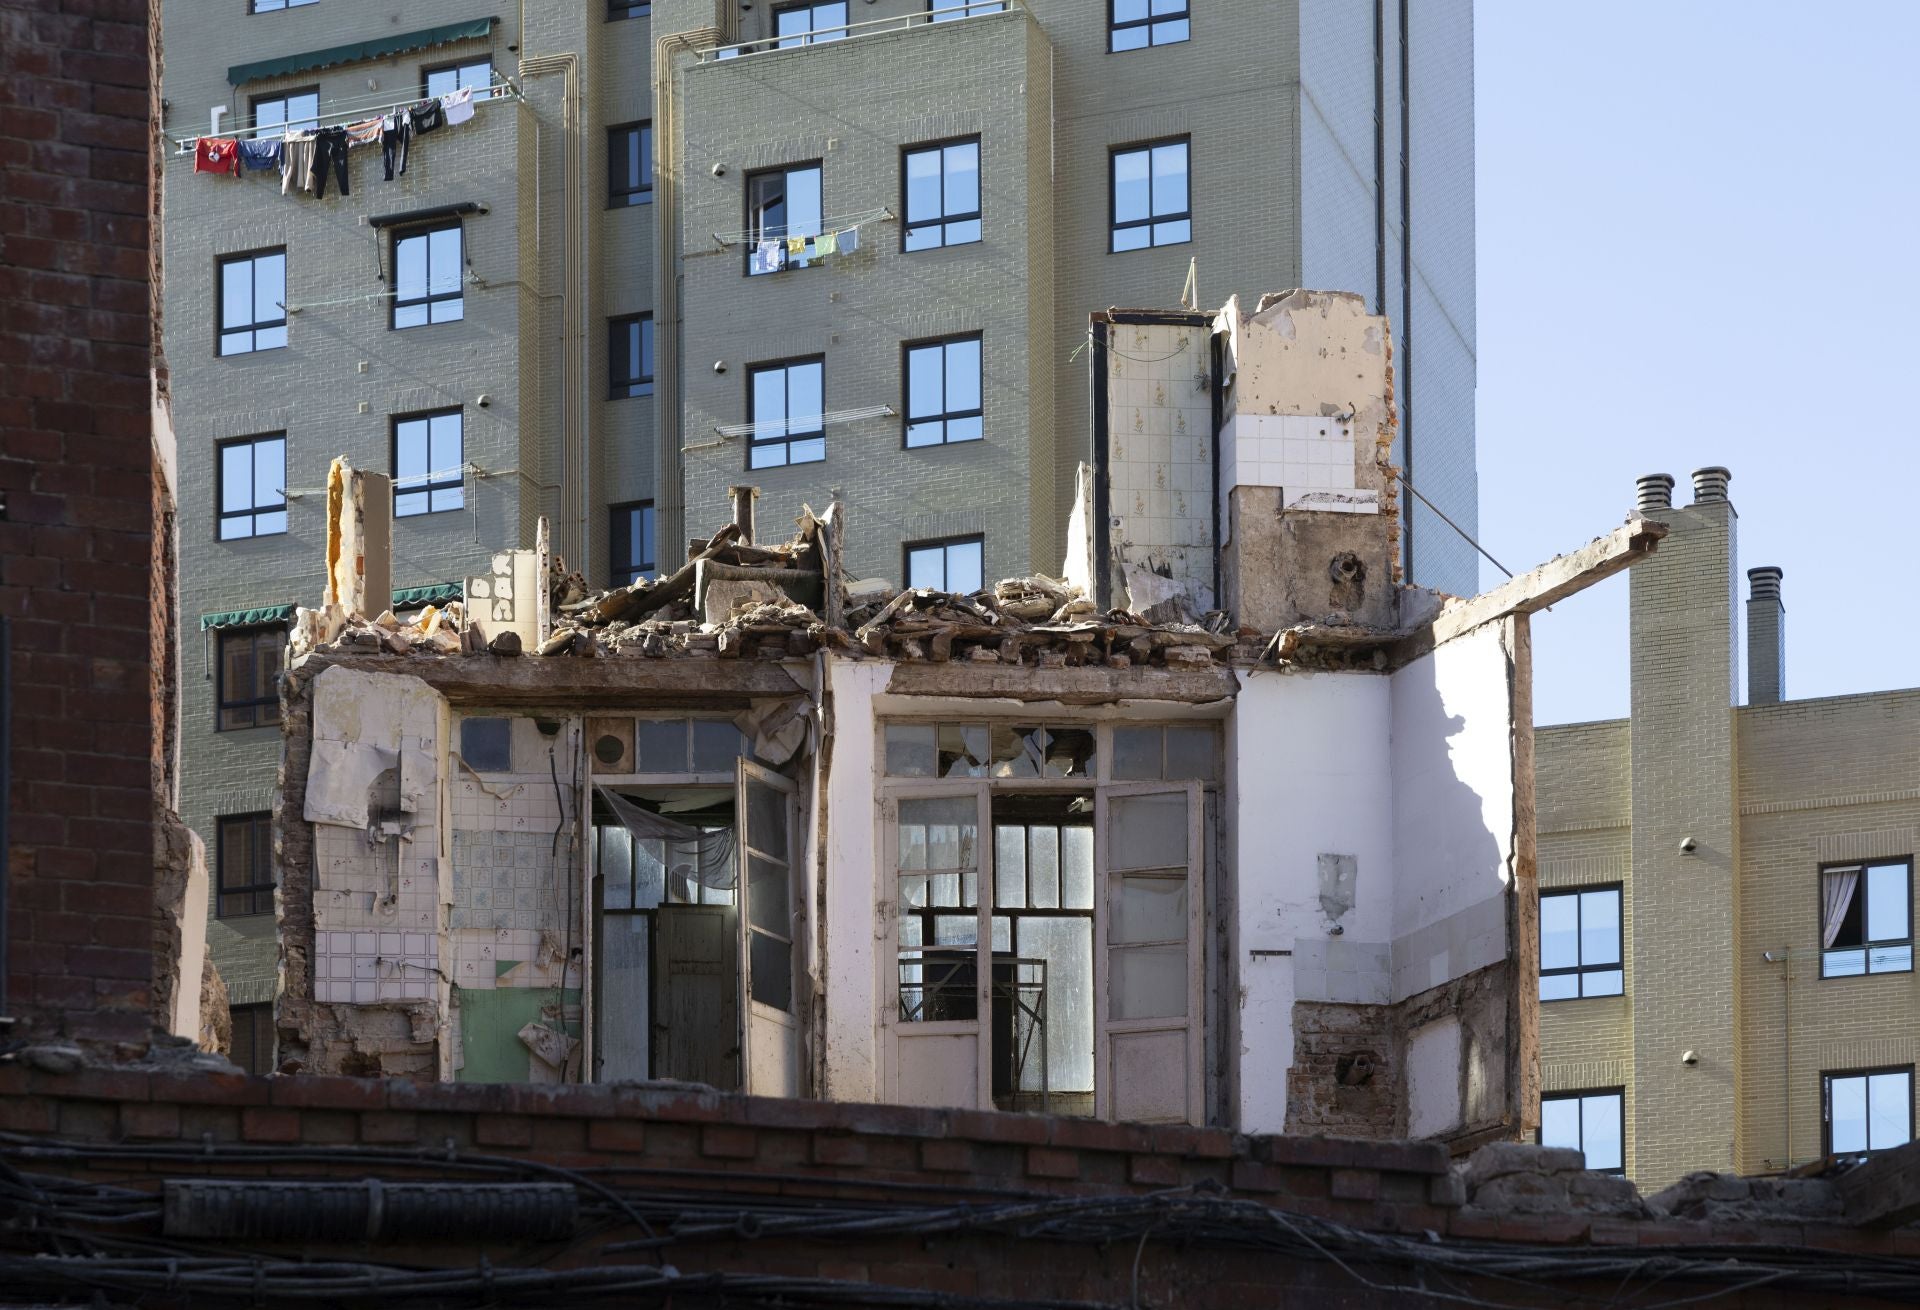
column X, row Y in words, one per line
column 1697, row 246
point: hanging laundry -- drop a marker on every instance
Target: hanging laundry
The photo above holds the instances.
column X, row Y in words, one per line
column 216, row 154
column 796, row 247
column 850, row 241
column 364, row 133
column 459, row 105
column 330, row 151
column 296, row 164
column 395, row 134
column 427, row 116
column 260, row 153
column 768, row 257
column 826, row 243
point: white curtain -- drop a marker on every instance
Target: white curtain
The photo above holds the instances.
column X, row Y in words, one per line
column 1836, row 899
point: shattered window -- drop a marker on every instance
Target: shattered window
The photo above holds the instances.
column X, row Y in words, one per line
column 982, row 750
column 244, row 862
column 253, row 487
column 955, row 564
column 1865, row 920
column 1151, row 206
column 1868, row 1110
column 1580, row 944
column 1137, row 24
column 249, row 677
column 1593, row 1123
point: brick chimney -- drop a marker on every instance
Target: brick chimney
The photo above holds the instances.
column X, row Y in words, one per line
column 1766, row 637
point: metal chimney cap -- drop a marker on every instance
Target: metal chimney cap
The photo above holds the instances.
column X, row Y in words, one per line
column 1710, row 483
column 1653, row 491
column 1765, row 581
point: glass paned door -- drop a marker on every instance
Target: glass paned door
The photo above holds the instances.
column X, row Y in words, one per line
column 771, row 941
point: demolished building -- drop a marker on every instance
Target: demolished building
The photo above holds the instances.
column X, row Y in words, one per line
column 1228, row 827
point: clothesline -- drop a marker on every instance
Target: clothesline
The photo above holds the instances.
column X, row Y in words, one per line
column 341, row 113
column 836, row 223
column 804, row 420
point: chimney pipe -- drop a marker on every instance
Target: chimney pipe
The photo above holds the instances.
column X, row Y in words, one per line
column 743, row 498
column 1710, row 484
column 1653, row 492
column 1766, row 637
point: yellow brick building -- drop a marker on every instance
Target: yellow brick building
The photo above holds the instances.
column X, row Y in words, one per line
column 1726, row 890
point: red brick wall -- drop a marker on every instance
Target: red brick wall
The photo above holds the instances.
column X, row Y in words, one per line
column 76, row 546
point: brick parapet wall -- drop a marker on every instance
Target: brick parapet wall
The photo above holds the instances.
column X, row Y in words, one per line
column 76, row 549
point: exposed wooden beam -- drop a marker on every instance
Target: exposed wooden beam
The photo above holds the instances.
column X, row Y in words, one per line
column 1555, row 580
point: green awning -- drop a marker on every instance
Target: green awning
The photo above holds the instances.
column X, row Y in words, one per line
column 414, row 598
column 425, row 39
column 252, row 618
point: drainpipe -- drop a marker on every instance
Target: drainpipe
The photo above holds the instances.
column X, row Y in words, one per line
column 575, row 485
column 1784, row 960
column 6, row 797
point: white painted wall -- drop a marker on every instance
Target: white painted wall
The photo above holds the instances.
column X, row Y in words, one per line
column 1453, row 796
column 1433, row 1078
column 853, row 884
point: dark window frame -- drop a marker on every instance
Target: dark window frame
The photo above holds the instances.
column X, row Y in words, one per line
column 221, row 513
column 1867, row 942
column 619, row 352
column 754, row 441
column 428, row 70
column 1826, row 1107
column 756, row 234
column 972, row 8
column 624, row 192
column 907, row 419
column 1151, row 22
column 424, row 232
column 621, row 9
column 262, row 710
column 945, row 543
column 221, row 330
column 1115, row 226
column 1582, row 969
column 258, row 1044
column 799, row 40
column 430, row 486
column 907, row 228
column 256, row 896
column 254, row 103
column 623, row 571
column 1539, row 1134
column 253, row 6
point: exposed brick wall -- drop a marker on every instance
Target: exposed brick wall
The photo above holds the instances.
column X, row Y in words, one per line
column 751, row 1153
column 76, row 541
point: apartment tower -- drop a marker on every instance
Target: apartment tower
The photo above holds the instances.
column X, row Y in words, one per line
column 846, row 248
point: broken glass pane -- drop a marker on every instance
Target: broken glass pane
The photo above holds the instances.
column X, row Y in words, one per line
column 911, row 750
column 1147, row 982
column 1148, row 910
column 965, row 750
column 1149, row 832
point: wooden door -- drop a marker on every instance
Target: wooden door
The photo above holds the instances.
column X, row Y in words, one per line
column 770, row 929
column 696, row 1006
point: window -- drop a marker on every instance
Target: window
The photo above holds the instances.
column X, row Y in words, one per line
column 426, row 276
column 252, row 1046
column 248, row 694
column 269, row 6
column 1150, row 202
column 246, row 865
column 1866, row 1110
column 290, row 111
column 630, row 356
column 942, row 185
column 1136, row 24
column 783, row 203
column 629, row 165
column 802, row 24
column 617, row 9
column 252, row 491
column 1866, row 918
column 954, row 564
column 447, row 79
column 944, row 10
column 943, row 392
column 1580, row 944
column 786, row 404
column 429, row 463
column 1593, row 1123
column 630, row 542
column 253, row 302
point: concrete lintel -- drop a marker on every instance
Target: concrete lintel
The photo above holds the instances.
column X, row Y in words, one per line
column 1555, row 580
column 1070, row 686
column 566, row 680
